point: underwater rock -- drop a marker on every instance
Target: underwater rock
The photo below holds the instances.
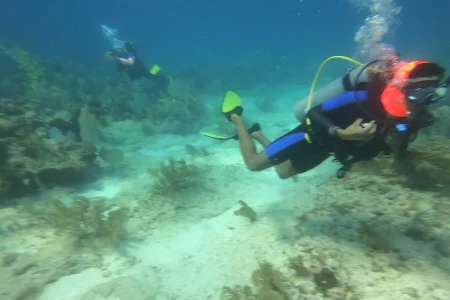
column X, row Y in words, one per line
column 441, row 126
column 296, row 263
column 112, row 156
column 267, row 278
column 270, row 284
column 89, row 126
column 178, row 115
column 29, row 160
column 325, row 280
column 246, row 211
column 27, row 274
column 125, row 288
column 443, row 245
column 194, row 151
column 428, row 164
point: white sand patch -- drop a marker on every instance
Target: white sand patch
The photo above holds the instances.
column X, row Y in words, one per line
column 73, row 286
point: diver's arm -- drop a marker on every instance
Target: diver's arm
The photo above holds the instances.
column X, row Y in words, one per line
column 125, row 61
column 318, row 118
column 357, row 131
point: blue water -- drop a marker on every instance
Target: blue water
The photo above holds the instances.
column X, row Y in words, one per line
column 182, row 34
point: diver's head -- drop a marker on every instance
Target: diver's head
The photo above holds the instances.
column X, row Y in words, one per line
column 414, row 86
column 424, row 86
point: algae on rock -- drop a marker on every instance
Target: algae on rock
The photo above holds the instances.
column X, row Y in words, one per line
column 174, row 176
column 89, row 126
column 246, row 211
column 429, row 162
column 89, row 221
column 270, row 284
column 237, row 293
column 296, row 263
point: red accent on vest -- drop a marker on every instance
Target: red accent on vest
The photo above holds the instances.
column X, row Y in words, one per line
column 393, row 98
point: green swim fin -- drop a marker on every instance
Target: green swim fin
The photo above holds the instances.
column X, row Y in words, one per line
column 231, row 104
column 253, row 128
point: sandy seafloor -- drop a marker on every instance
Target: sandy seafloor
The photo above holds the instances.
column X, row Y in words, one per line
column 193, row 245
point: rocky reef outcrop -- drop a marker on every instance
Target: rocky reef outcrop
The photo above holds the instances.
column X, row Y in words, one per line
column 39, row 149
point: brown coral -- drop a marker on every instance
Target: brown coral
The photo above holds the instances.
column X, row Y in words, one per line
column 429, row 161
column 30, row 159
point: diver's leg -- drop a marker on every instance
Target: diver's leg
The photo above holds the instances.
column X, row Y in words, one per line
column 285, row 169
column 292, row 154
column 255, row 161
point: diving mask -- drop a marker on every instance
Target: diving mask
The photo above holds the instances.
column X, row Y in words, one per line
column 427, row 92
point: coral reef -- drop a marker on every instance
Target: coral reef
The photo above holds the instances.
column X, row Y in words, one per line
column 46, row 82
column 117, row 101
column 269, row 282
column 89, row 126
column 112, row 156
column 31, row 256
column 381, row 214
column 428, row 163
column 177, row 115
column 174, row 176
column 25, row 275
column 297, row 264
column 42, row 80
column 442, row 125
column 325, row 280
column 89, row 222
column 32, row 158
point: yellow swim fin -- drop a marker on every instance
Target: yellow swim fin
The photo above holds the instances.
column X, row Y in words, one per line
column 231, row 104
column 253, row 128
column 219, row 137
column 154, row 70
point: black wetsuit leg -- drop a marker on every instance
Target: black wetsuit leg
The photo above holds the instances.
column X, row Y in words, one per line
column 160, row 83
column 293, row 146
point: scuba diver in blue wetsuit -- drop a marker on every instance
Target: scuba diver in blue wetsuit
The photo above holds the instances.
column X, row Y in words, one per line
column 124, row 55
column 375, row 108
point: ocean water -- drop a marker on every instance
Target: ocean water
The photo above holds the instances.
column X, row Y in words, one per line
column 112, row 188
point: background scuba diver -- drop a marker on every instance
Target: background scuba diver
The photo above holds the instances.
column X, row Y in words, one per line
column 124, row 55
column 357, row 116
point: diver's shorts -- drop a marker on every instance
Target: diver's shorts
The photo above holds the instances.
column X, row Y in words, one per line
column 294, row 147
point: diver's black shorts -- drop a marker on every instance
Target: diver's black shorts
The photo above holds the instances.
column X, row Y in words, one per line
column 293, row 146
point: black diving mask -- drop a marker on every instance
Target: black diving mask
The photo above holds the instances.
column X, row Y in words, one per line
column 427, row 92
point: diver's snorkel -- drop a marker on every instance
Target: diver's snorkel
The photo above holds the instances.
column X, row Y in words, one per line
column 427, row 92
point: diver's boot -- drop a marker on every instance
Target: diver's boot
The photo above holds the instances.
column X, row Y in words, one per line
column 255, row 127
